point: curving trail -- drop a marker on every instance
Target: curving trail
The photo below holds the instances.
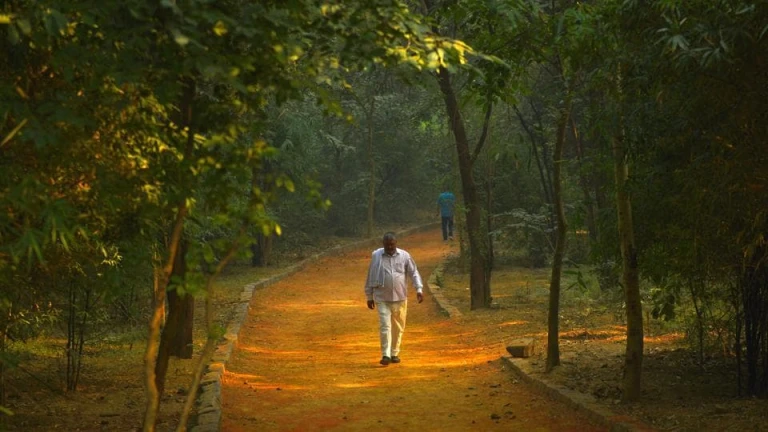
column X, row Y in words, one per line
column 308, row 356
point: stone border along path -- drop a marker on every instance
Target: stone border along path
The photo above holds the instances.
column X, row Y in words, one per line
column 209, row 403
column 521, row 367
column 435, row 288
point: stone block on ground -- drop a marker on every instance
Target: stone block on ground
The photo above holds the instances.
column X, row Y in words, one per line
column 210, row 427
column 209, row 418
column 521, row 348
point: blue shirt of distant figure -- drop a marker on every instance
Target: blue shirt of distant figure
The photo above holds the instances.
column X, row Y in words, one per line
column 446, row 201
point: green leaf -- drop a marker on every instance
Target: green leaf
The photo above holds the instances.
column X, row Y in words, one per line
column 55, row 23
column 220, row 29
column 180, row 38
column 24, row 26
column 208, row 254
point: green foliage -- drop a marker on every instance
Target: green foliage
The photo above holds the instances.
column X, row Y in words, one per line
column 529, row 230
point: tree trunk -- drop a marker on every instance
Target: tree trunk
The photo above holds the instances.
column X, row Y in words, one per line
column 584, row 182
column 545, row 186
column 553, row 331
column 258, row 258
column 81, row 341
column 2, row 365
column 212, row 339
column 479, row 283
column 371, row 171
column 261, row 249
column 176, row 337
column 71, row 299
column 633, row 360
column 737, row 346
column 162, row 276
column 546, row 160
column 150, row 354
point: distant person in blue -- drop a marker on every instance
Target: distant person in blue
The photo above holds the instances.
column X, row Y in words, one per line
column 446, row 201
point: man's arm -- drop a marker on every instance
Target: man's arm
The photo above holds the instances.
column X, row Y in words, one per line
column 370, row 281
column 415, row 278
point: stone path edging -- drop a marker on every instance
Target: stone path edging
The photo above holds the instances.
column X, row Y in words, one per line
column 585, row 403
column 209, row 401
column 520, row 367
column 436, row 290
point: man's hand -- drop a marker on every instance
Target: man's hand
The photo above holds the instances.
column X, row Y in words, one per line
column 419, row 297
column 370, row 304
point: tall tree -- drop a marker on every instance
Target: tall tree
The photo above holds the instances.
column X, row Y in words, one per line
column 476, row 226
column 553, row 322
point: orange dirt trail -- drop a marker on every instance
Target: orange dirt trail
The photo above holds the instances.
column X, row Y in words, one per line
column 308, row 354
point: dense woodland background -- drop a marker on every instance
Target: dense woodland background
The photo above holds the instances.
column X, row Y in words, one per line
column 146, row 145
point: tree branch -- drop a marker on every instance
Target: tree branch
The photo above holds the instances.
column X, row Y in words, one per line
column 484, row 134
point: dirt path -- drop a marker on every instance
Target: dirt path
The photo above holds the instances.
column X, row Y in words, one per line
column 308, row 360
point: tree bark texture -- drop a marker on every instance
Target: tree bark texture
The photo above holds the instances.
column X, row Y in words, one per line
column 553, row 330
column 633, row 360
column 479, row 283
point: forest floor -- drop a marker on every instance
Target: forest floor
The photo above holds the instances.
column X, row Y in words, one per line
column 678, row 394
column 307, row 359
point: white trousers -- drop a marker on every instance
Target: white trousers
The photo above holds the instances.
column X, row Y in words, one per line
column 391, row 326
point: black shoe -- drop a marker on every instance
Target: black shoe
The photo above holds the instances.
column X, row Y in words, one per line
column 385, row 360
column 395, row 359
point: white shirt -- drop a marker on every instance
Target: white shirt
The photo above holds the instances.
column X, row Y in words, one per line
column 387, row 276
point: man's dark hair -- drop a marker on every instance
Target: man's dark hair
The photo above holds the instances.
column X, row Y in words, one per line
column 389, row 236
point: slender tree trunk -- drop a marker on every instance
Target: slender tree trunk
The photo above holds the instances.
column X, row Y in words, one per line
column 584, row 182
column 371, row 171
column 633, row 360
column 489, row 220
column 546, row 160
column 162, row 275
column 70, row 334
column 81, row 341
column 181, row 344
column 737, row 346
column 479, row 282
column 553, row 333
column 478, row 248
column 257, row 252
column 545, row 186
column 3, row 338
column 210, row 343
column 176, row 337
column 150, row 355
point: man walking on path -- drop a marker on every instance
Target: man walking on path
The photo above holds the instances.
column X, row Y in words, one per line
column 386, row 286
column 446, row 201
